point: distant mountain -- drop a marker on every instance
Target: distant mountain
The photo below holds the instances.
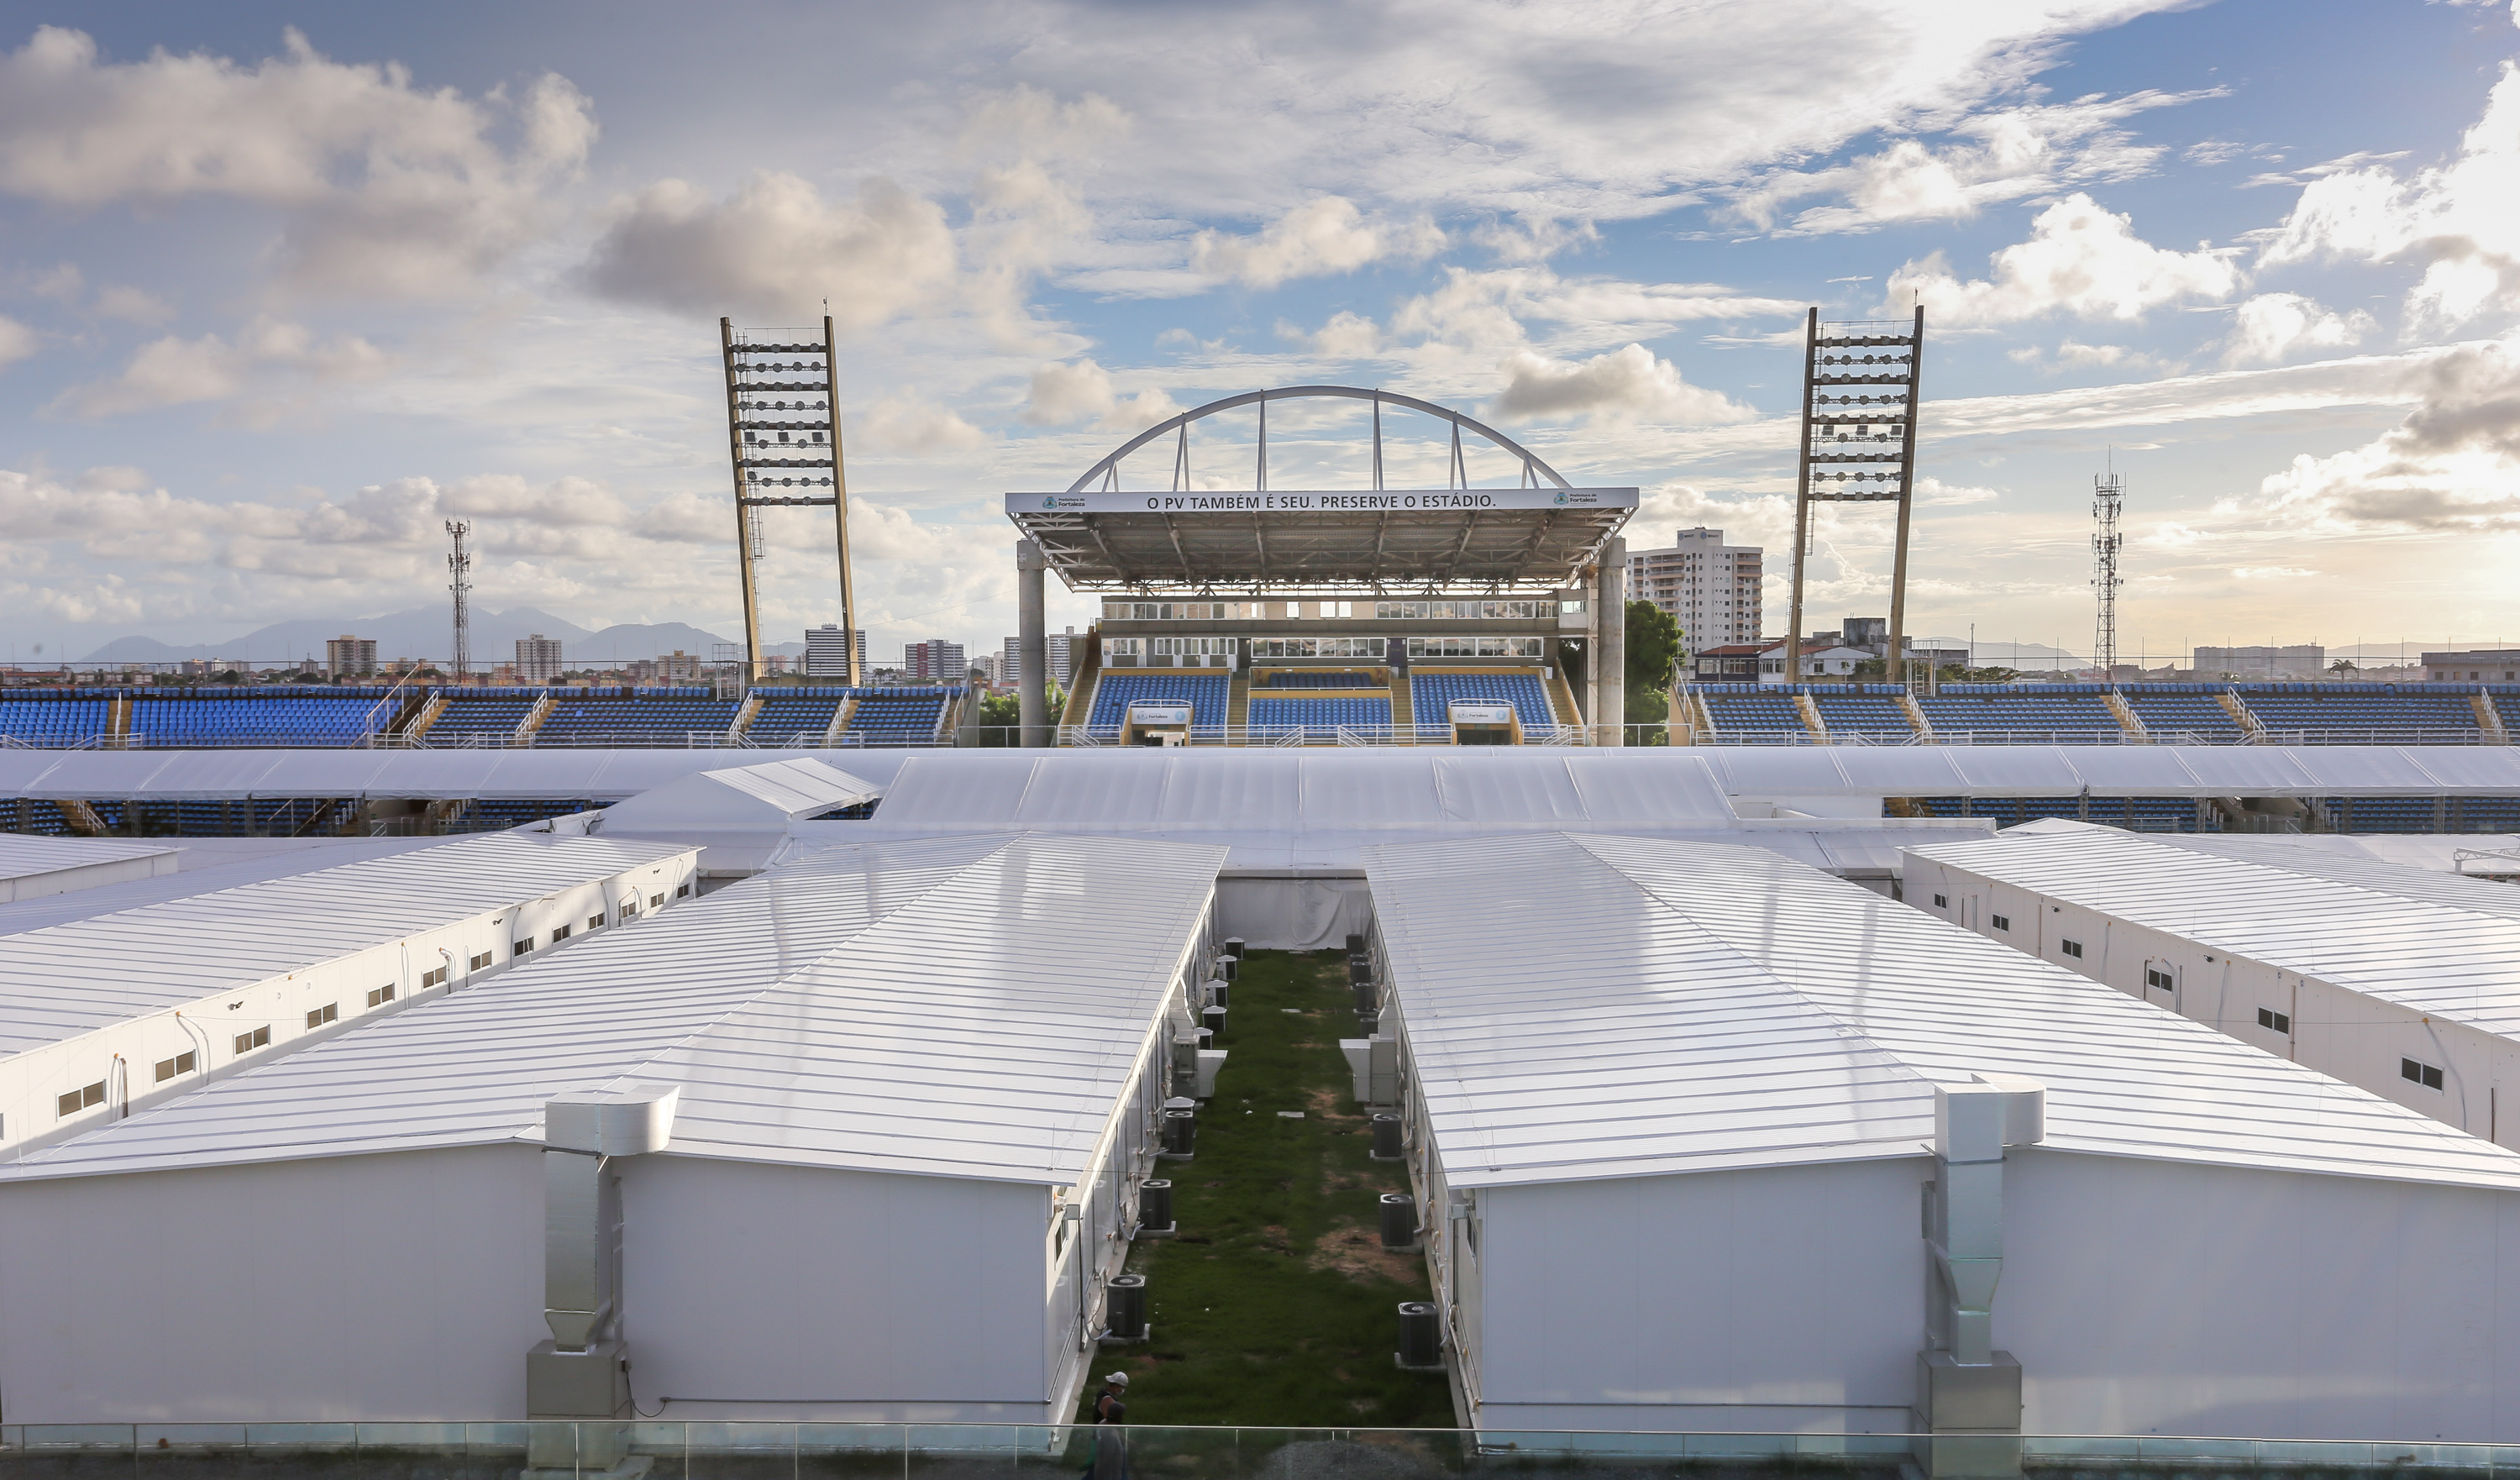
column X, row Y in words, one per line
column 424, row 632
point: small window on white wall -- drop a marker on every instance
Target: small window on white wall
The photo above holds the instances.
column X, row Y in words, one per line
column 2072, row 948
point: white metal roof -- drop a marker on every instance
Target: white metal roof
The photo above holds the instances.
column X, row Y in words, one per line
column 202, row 864
column 1583, row 1007
column 958, row 1005
column 2432, row 942
column 24, row 854
column 2114, row 769
column 62, row 980
column 598, row 776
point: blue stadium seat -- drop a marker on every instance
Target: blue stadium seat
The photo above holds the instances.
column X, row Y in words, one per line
column 1208, row 695
column 481, row 716
column 794, row 717
column 2173, row 713
column 2060, row 714
column 1306, row 677
column 1868, row 713
column 1319, row 719
column 48, row 722
column 1431, row 695
column 624, row 716
column 2363, row 714
column 897, row 716
column 1753, row 713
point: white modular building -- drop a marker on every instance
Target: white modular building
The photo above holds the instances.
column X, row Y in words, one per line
column 857, row 1139
column 1709, row 1140
column 2404, row 980
column 104, row 1015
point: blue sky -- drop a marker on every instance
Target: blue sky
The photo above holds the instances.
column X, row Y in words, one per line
column 280, row 290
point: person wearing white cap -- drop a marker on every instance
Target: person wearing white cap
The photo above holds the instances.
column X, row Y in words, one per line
column 1111, row 1462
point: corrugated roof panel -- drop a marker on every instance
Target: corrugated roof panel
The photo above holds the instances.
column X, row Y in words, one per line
column 2425, row 940
column 1747, row 1011
column 960, row 1006
column 179, row 950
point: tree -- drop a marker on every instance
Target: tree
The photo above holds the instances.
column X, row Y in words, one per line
column 1002, row 715
column 2343, row 667
column 1653, row 648
column 1653, row 655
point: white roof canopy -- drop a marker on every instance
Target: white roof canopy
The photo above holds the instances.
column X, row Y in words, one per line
column 2429, row 941
column 1587, row 1006
column 960, row 1007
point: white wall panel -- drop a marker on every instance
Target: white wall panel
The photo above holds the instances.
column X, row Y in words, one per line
column 404, row 1287
column 1785, row 1298
column 831, row 1294
column 2156, row 1297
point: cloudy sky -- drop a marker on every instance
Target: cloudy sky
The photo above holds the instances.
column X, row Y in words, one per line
column 284, row 287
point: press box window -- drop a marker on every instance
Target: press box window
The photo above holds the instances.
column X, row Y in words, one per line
column 2420, row 1073
column 560, row 933
column 436, row 978
column 595, row 921
column 381, row 996
column 79, row 1100
column 2268, row 1017
column 2072, row 948
column 331, row 1011
column 682, row 891
column 481, row 962
column 168, row 1068
column 2154, row 976
column 656, row 901
column 2000, row 921
column 519, row 947
column 1942, row 901
column 247, row 1043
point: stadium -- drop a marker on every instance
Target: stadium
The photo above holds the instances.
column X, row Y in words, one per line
column 596, row 1080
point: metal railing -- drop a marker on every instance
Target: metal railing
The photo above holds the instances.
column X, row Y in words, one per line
column 737, row 1449
column 1266, row 736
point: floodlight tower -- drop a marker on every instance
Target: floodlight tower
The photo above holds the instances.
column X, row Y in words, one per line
column 2107, row 497
column 459, row 568
column 1859, row 446
column 782, row 430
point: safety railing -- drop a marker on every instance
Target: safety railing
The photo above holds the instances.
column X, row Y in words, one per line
column 699, row 1450
column 1267, row 736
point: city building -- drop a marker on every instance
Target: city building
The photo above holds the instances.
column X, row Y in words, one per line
column 348, row 656
column 1823, row 658
column 826, row 650
column 538, row 658
column 1062, row 665
column 2260, row 665
column 676, row 667
column 2485, row 665
column 935, row 662
column 1710, row 588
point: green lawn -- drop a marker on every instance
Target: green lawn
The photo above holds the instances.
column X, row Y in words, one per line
column 1275, row 1306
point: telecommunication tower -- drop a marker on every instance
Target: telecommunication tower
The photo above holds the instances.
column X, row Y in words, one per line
column 2107, row 497
column 1858, row 447
column 459, row 568
column 783, row 430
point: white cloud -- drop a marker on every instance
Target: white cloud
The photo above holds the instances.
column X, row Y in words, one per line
column 2273, row 326
column 1622, row 387
column 2458, row 219
column 16, row 341
column 1066, row 393
column 270, row 369
column 1320, row 237
column 384, row 187
column 2079, row 259
column 2008, row 155
column 131, row 305
column 901, row 424
column 2452, row 466
column 775, row 250
column 1345, row 336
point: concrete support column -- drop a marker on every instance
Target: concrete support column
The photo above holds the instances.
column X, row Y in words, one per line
column 1610, row 666
column 1032, row 646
